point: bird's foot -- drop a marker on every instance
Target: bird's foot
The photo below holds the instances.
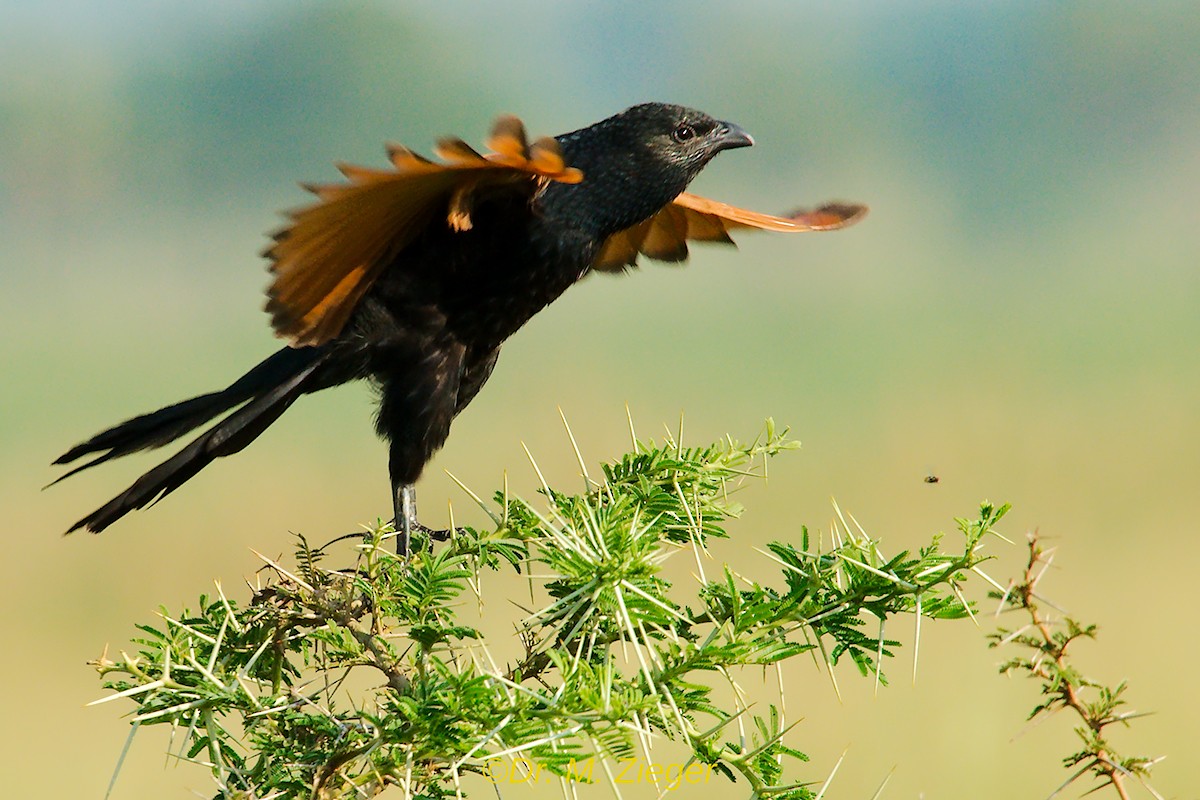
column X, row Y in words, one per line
column 405, row 521
column 437, row 534
column 433, row 534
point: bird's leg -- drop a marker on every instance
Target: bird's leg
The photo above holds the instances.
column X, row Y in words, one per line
column 405, row 521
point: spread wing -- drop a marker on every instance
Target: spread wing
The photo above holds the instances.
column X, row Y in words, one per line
column 664, row 236
column 330, row 253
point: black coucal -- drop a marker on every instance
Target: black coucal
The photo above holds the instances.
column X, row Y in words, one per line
column 412, row 277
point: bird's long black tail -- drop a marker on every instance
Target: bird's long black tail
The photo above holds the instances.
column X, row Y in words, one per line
column 263, row 393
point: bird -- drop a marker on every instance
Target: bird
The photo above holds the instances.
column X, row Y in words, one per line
column 412, row 276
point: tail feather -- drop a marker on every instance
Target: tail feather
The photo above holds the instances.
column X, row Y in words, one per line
column 270, row 388
column 161, row 427
column 148, row 431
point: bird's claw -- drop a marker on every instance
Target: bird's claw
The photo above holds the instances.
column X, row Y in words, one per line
column 439, row 534
column 433, row 534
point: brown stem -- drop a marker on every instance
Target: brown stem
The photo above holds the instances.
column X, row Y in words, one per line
column 1068, row 693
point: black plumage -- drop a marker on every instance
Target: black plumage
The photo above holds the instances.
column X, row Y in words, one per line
column 413, row 278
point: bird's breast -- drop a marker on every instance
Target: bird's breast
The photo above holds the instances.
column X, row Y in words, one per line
column 495, row 295
column 479, row 286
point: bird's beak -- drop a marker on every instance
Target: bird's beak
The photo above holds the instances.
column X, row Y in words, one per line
column 728, row 136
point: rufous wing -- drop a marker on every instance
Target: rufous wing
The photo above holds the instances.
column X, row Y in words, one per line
column 330, row 253
column 664, row 236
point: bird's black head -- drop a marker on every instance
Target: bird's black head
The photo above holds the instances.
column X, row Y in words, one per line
column 676, row 139
column 635, row 163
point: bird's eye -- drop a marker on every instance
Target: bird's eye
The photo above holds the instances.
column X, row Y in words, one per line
column 683, row 132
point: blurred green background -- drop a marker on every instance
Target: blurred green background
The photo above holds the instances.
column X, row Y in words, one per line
column 1018, row 316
